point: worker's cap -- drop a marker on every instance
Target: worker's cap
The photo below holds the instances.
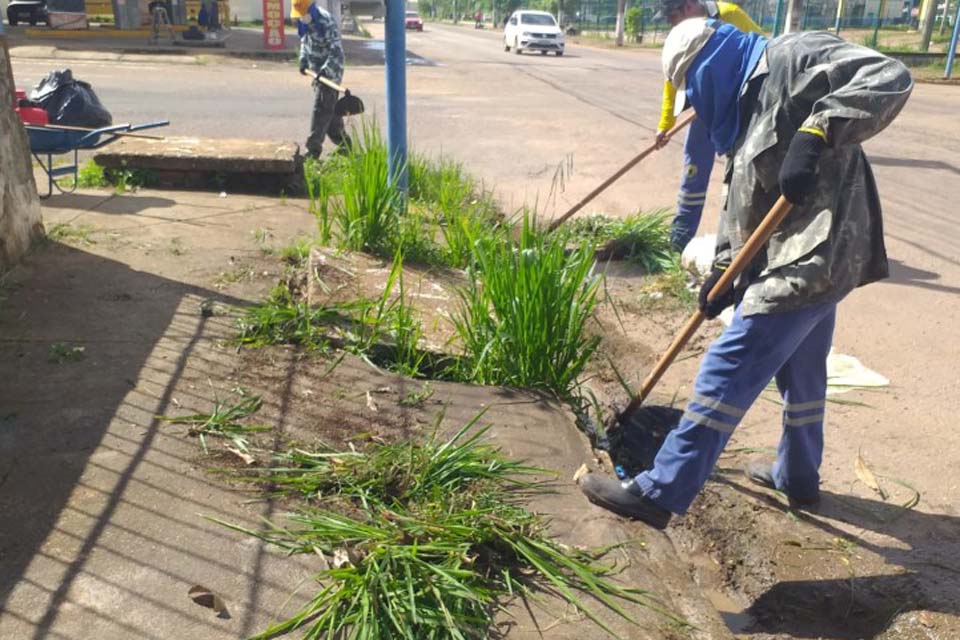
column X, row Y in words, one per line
column 680, row 50
column 299, row 8
column 669, row 8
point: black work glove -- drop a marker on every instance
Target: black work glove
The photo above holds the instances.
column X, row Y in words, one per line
column 798, row 174
column 303, row 67
column 713, row 308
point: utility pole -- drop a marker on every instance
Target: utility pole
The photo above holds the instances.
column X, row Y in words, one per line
column 395, row 66
column 943, row 17
column 621, row 7
column 927, row 12
column 794, row 13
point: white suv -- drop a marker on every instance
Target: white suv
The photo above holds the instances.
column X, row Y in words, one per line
column 533, row 30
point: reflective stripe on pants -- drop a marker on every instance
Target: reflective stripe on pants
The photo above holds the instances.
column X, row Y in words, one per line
column 791, row 346
column 698, row 157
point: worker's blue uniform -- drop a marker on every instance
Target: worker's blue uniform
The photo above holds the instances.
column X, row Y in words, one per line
column 698, row 157
column 791, row 346
column 753, row 95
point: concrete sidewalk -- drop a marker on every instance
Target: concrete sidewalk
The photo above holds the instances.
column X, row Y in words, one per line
column 104, row 331
column 239, row 42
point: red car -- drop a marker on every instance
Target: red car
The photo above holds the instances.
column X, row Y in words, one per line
column 414, row 21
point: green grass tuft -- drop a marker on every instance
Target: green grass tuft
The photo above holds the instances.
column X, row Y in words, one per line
column 427, row 542
column 642, row 238
column 523, row 313
column 92, row 175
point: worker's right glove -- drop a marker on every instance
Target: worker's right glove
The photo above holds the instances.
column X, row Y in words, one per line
column 798, row 174
column 713, row 308
column 303, row 67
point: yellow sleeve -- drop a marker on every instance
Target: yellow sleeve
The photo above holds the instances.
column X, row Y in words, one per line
column 667, row 119
column 736, row 16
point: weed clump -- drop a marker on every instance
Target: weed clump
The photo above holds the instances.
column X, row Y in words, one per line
column 124, row 179
column 523, row 314
column 641, row 238
column 426, row 541
column 358, row 206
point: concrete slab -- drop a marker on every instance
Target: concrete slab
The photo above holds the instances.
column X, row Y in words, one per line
column 202, row 154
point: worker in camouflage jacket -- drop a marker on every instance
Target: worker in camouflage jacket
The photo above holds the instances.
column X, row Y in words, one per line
column 321, row 53
column 791, row 125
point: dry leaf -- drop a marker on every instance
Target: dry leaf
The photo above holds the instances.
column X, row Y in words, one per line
column 207, row 598
column 582, row 471
column 246, row 457
column 866, row 476
column 341, row 558
column 604, row 459
column 371, row 404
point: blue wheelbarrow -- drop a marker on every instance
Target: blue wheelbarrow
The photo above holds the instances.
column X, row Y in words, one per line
column 53, row 140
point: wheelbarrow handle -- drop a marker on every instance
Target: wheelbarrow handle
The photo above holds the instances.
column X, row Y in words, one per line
column 148, row 125
column 115, row 130
column 744, row 257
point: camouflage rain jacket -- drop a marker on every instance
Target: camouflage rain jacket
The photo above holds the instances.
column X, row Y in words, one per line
column 833, row 242
column 320, row 43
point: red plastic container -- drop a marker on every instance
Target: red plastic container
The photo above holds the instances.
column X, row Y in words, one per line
column 33, row 115
column 28, row 115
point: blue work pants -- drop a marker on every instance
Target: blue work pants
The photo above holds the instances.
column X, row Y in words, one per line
column 698, row 156
column 790, row 346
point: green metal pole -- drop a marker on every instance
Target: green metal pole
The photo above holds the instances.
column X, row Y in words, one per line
column 777, row 17
column 876, row 29
column 953, row 45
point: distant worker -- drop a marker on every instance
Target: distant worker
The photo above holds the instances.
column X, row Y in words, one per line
column 791, row 115
column 321, row 52
column 478, row 19
column 698, row 152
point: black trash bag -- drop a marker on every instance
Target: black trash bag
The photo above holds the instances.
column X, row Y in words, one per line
column 70, row 102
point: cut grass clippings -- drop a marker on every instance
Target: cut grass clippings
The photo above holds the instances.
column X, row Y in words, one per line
column 427, row 542
column 223, row 423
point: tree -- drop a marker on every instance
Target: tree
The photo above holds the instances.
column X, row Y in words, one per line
column 634, row 23
column 621, row 5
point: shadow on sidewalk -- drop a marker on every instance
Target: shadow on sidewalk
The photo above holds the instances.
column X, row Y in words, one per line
column 65, row 467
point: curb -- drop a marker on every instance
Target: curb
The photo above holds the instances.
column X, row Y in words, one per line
column 181, row 52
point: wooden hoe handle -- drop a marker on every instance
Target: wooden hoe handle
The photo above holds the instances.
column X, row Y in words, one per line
column 327, row 81
column 684, row 121
column 744, row 257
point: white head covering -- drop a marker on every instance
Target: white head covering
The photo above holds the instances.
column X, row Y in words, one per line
column 680, row 49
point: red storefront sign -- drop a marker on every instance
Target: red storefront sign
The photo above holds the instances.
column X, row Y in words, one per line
column 273, row 37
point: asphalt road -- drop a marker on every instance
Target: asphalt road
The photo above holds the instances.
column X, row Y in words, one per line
column 545, row 130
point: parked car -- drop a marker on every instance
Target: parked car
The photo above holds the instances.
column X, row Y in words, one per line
column 413, row 21
column 32, row 11
column 534, row 31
